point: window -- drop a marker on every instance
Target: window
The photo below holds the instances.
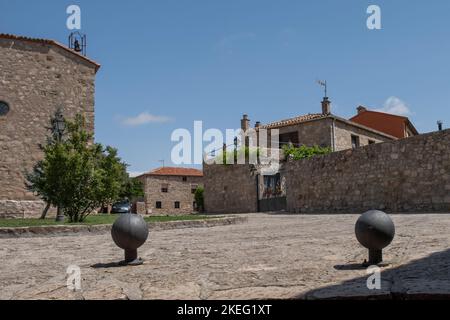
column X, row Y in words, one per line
column 158, row 205
column 165, row 188
column 288, row 138
column 177, row 204
column 194, row 206
column 184, row 179
column 4, row 108
column 355, row 142
column 371, row 142
column 194, row 188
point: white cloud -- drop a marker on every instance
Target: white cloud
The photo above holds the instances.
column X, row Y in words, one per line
column 144, row 118
column 396, row 106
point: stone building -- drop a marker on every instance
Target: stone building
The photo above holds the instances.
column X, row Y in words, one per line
column 37, row 76
column 322, row 129
column 170, row 191
column 248, row 188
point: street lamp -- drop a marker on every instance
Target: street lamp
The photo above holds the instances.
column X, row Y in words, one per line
column 58, row 129
column 59, row 125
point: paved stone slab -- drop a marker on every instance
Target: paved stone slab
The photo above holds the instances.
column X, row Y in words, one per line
column 271, row 256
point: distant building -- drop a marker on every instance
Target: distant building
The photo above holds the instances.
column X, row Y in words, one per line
column 37, row 76
column 171, row 190
column 322, row 129
column 397, row 126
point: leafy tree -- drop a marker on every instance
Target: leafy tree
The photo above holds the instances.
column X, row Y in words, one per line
column 199, row 198
column 132, row 189
column 78, row 175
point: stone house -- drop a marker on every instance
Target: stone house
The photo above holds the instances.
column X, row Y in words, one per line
column 322, row 129
column 37, row 76
column 247, row 188
column 170, row 190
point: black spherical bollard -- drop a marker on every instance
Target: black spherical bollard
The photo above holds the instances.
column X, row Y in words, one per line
column 129, row 232
column 375, row 231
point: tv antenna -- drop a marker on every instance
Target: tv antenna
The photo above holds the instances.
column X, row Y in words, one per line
column 324, row 85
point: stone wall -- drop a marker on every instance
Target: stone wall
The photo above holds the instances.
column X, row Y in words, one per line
column 343, row 136
column 229, row 189
column 35, row 79
column 178, row 190
column 408, row 175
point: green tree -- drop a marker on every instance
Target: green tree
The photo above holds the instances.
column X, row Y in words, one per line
column 199, row 199
column 132, row 189
column 78, row 175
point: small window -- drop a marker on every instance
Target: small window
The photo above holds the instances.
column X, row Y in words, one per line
column 177, row 204
column 158, row 205
column 4, row 108
column 355, row 142
column 194, row 188
column 371, row 142
column 165, row 188
column 184, row 179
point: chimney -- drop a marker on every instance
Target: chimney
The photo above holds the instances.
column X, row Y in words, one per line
column 326, row 106
column 361, row 109
column 439, row 123
column 245, row 123
column 257, row 124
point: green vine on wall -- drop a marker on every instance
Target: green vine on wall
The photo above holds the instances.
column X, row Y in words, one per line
column 304, row 152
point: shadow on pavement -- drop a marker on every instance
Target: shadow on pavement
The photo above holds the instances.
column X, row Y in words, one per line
column 426, row 278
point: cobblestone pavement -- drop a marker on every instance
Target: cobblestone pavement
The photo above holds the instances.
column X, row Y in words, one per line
column 270, row 256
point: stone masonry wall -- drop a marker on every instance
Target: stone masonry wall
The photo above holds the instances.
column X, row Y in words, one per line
column 229, row 189
column 408, row 175
column 35, row 79
column 320, row 132
column 343, row 136
column 178, row 190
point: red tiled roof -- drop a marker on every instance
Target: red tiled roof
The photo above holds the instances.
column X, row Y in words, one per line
column 50, row 42
column 391, row 124
column 175, row 171
column 294, row 121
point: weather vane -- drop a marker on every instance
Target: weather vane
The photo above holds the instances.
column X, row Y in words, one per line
column 323, row 84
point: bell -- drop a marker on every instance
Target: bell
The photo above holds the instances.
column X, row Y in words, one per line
column 76, row 46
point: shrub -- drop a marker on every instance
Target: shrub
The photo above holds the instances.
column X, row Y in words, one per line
column 303, row 152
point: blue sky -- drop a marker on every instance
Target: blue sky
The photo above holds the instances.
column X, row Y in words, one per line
column 168, row 63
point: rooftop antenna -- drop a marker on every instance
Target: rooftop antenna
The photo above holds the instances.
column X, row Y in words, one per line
column 162, row 161
column 324, row 85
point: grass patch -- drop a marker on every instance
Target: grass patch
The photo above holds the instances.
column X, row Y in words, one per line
column 93, row 220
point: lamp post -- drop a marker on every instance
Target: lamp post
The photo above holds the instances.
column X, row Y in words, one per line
column 58, row 129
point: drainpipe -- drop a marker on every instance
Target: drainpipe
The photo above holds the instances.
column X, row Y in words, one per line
column 333, row 135
column 258, row 209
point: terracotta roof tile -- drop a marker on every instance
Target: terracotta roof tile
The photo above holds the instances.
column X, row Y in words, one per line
column 175, row 171
column 294, row 121
column 49, row 42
